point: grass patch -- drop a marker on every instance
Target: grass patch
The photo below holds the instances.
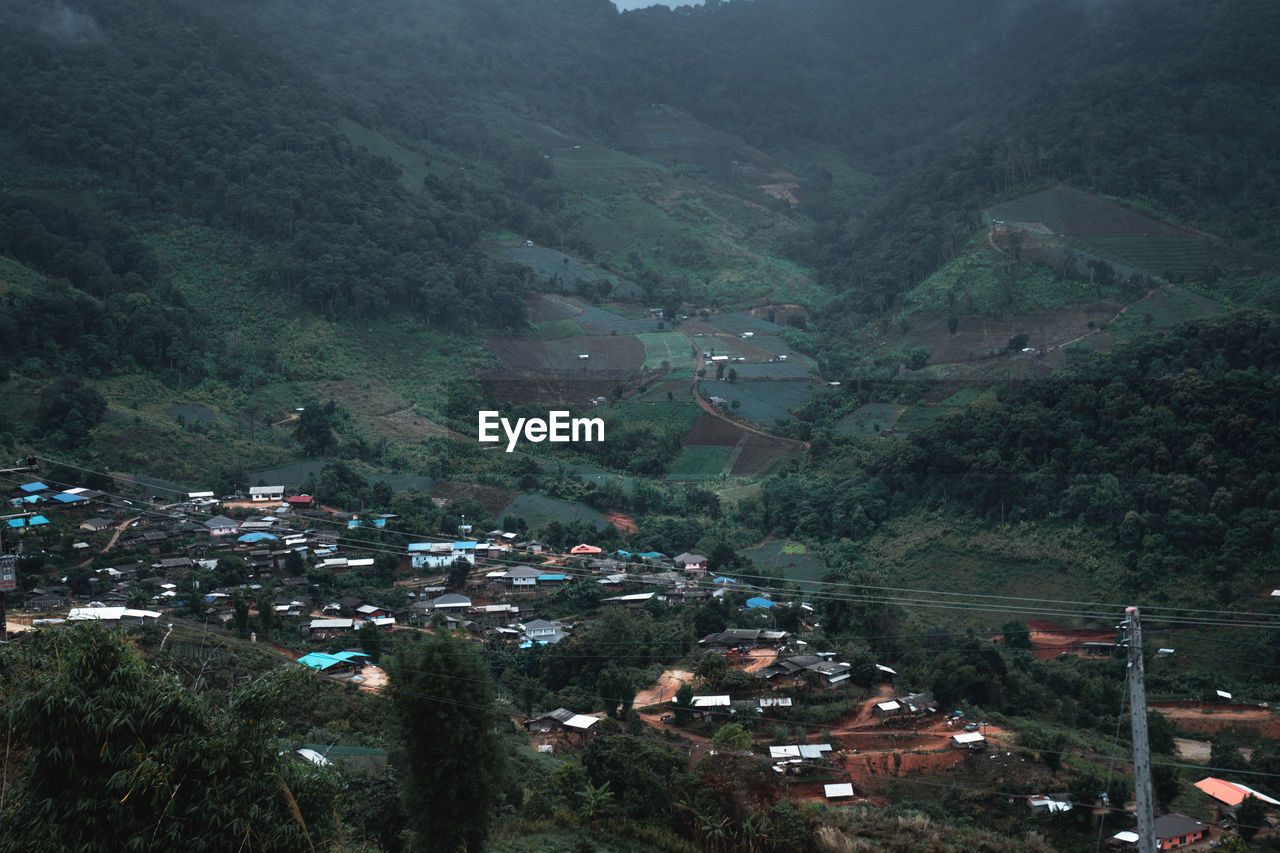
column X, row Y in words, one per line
column 869, row 420
column 669, row 348
column 1163, row 309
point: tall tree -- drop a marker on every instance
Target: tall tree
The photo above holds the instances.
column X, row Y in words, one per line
column 452, row 761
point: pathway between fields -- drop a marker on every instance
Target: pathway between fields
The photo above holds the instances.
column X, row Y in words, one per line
column 714, row 412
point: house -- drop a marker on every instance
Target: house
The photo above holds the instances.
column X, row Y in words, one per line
column 437, row 555
column 705, row 707
column 968, row 740
column 561, row 720
column 830, row 673
column 693, row 564
column 749, row 637
column 93, row 525
column 124, row 615
column 300, row 501
column 266, row 493
column 371, row 611
column 838, row 791
column 451, row 602
column 918, row 704
column 1049, row 803
column 331, row 626
column 1172, row 831
column 542, row 632
column 332, row 664
column 220, row 525
column 1227, row 796
column 891, row 708
column 586, row 550
column 522, row 577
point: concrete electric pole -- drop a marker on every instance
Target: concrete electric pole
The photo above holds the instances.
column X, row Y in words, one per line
column 1138, row 726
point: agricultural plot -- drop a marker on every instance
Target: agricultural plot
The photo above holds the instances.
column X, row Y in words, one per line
column 795, row 560
column 565, row 328
column 736, row 324
column 192, row 413
column 290, row 476
column 562, row 271
column 710, row 430
column 492, row 498
column 700, row 462
column 759, row 454
column 597, row 321
column 773, row 370
column 670, row 348
column 1063, row 210
column 611, row 356
column 766, row 402
column 540, row 511
column 586, row 473
column 1181, row 257
column 677, row 388
column 919, row 416
column 1163, row 309
column 869, row 420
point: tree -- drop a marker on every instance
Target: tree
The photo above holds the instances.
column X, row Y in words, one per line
column 731, row 736
column 1016, row 635
column 1251, row 816
column 682, row 706
column 453, row 762
column 116, row 755
column 459, row 571
column 711, row 668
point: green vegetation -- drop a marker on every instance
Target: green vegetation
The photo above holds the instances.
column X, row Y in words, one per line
column 699, row 461
column 666, row 349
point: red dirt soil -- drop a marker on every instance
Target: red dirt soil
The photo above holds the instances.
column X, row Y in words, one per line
column 1050, row 639
column 620, row 520
column 1210, row 717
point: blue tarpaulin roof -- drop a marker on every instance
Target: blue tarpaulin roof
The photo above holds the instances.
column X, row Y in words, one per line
column 320, row 660
column 256, row 537
column 35, row 487
column 65, row 498
column 759, row 602
column 28, row 522
column 550, row 577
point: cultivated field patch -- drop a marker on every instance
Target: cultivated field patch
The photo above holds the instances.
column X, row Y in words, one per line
column 562, row 271
column 586, row 357
column 736, row 324
column 869, row 420
column 492, row 498
column 759, row 454
column 539, row 511
column 766, row 402
column 711, row 430
column 793, row 558
column 772, row 370
column 669, row 348
column 700, row 461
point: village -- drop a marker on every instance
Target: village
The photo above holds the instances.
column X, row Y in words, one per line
column 289, row 568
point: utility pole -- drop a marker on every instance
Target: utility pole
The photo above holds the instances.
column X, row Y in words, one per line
column 1138, row 726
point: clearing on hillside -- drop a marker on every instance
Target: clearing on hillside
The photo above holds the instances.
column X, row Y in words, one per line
column 539, row 511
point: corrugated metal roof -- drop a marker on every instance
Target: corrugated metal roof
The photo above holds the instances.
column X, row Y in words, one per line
column 842, row 789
